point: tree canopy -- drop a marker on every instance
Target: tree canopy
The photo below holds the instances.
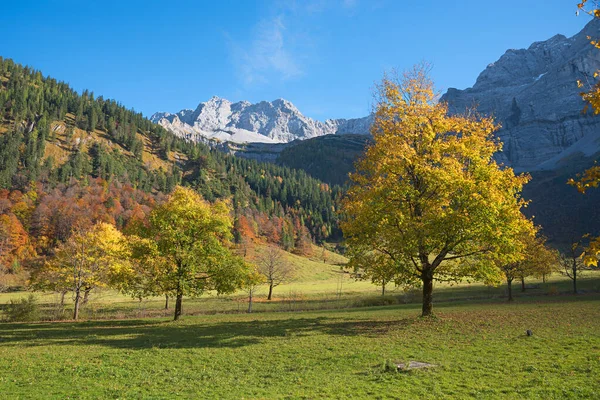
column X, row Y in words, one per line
column 87, row 260
column 428, row 195
column 184, row 250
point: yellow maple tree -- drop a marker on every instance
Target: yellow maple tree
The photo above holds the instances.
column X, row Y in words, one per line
column 537, row 260
column 84, row 262
column 428, row 195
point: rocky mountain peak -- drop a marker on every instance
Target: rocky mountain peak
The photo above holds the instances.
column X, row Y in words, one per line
column 278, row 121
column 533, row 93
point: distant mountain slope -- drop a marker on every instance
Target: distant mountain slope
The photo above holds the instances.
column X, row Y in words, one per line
column 278, row 121
column 533, row 93
column 564, row 214
column 329, row 158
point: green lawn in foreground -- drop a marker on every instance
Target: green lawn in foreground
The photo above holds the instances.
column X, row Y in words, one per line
column 480, row 348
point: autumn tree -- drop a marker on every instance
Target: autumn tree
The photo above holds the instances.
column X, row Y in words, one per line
column 303, row 242
column 84, row 262
column 141, row 276
column 188, row 242
column 428, row 195
column 245, row 235
column 14, row 243
column 273, row 266
column 374, row 266
column 536, row 259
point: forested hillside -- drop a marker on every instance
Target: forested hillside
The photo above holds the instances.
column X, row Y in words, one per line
column 329, row 158
column 68, row 158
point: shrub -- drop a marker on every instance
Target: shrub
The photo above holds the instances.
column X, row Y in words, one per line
column 26, row 309
column 553, row 290
column 389, row 366
column 377, row 301
column 55, row 312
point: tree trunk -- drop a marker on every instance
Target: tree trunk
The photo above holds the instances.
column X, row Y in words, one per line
column 383, row 288
column 574, row 279
column 166, row 302
column 250, row 301
column 509, row 284
column 178, row 304
column 86, row 296
column 62, row 298
column 522, row 284
column 427, row 294
column 270, row 291
column 543, row 278
column 76, row 308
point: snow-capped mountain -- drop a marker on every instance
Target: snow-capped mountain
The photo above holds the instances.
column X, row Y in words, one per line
column 532, row 92
column 278, row 121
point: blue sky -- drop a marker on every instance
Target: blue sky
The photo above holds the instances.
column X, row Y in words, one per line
column 323, row 55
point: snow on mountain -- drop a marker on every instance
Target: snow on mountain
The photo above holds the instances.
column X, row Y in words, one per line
column 278, row 121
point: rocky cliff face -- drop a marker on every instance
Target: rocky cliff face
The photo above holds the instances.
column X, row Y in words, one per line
column 278, row 121
column 533, row 93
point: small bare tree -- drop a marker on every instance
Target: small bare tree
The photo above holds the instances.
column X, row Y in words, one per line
column 251, row 284
column 274, row 268
column 571, row 262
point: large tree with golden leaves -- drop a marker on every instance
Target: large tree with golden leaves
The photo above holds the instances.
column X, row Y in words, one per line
column 428, row 195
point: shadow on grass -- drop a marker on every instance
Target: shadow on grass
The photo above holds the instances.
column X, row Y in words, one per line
column 143, row 334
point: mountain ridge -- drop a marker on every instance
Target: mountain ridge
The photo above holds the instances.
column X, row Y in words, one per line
column 277, row 121
column 533, row 94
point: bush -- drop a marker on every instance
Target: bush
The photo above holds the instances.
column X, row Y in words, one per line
column 377, row 301
column 553, row 290
column 389, row 366
column 27, row 309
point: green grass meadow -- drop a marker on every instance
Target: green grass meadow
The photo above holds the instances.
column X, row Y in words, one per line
column 324, row 335
column 480, row 349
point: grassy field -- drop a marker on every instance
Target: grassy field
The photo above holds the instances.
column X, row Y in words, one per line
column 480, row 351
column 316, row 285
column 320, row 337
column 296, row 296
column 339, row 291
